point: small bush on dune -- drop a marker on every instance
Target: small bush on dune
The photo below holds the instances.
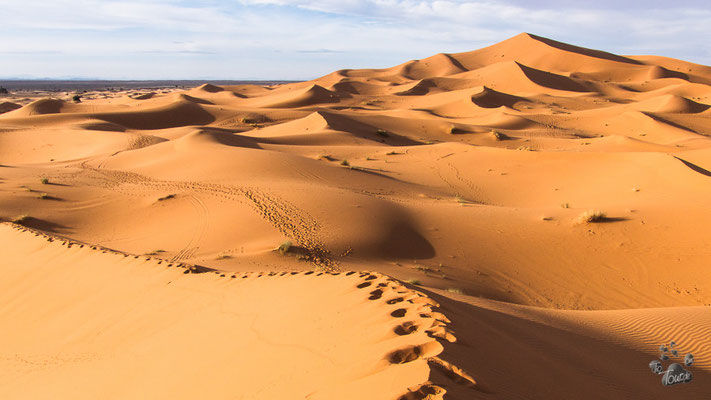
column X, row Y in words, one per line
column 592, row 216
column 155, row 252
column 45, row 181
column 345, row 163
column 168, row 197
column 498, row 135
column 21, row 219
column 284, row 247
column 383, row 133
column 461, row 200
column 414, row 282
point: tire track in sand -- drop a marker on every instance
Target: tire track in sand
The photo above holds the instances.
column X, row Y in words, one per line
column 203, row 222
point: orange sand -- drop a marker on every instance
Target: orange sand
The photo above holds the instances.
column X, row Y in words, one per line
column 465, row 174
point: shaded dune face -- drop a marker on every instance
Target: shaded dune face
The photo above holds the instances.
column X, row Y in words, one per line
column 533, row 212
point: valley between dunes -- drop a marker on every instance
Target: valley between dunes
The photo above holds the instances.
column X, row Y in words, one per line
column 432, row 224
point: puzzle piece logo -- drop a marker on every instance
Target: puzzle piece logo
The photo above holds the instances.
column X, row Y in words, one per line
column 675, row 373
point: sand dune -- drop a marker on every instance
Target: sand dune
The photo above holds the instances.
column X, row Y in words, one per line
column 43, row 106
column 6, row 106
column 66, row 311
column 551, row 199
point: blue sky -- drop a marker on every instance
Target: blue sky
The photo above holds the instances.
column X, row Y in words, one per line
column 285, row 39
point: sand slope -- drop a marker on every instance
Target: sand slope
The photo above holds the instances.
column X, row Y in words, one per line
column 85, row 323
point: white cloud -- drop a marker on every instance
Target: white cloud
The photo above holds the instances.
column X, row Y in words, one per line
column 301, row 39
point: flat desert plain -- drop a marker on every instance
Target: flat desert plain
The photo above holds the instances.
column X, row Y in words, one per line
column 529, row 220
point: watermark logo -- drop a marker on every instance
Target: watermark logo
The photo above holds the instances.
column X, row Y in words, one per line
column 675, row 373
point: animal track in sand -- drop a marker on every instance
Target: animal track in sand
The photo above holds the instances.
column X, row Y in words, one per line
column 425, row 392
column 406, row 328
column 413, row 353
column 399, row 313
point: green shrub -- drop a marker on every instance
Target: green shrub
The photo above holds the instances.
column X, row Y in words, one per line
column 592, row 216
column 284, row 247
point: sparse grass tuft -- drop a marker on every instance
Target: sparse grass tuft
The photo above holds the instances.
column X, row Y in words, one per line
column 155, row 252
column 414, row 282
column 345, row 163
column 391, row 153
column 223, row 257
column 498, row 135
column 43, row 196
column 382, row 132
column 44, row 181
column 565, row 205
column 168, row 197
column 424, row 268
column 284, row 247
column 21, row 219
column 252, row 120
column 592, row 216
column 455, row 290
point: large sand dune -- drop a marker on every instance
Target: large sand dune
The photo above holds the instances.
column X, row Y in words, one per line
column 471, row 175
